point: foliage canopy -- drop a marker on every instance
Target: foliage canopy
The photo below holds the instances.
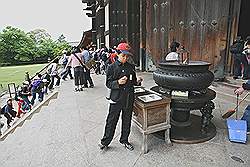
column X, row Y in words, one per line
column 17, row 47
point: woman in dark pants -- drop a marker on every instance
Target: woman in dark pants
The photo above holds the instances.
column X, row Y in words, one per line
column 76, row 61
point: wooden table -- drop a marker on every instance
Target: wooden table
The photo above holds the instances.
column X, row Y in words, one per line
column 151, row 117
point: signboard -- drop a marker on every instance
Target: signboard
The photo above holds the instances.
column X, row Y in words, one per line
column 12, row 89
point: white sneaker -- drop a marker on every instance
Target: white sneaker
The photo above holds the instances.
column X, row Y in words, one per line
column 248, row 133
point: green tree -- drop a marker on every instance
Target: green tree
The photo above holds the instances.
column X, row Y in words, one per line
column 39, row 34
column 46, row 48
column 15, row 46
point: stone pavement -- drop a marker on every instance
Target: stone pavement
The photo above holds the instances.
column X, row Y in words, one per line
column 66, row 133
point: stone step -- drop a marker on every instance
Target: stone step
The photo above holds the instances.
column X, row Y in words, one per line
column 29, row 115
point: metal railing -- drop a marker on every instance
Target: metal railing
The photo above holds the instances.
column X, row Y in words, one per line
column 4, row 91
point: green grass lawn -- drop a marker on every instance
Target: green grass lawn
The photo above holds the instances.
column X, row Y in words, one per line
column 16, row 74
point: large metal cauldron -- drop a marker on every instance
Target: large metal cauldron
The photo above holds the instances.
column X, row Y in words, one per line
column 194, row 78
column 185, row 77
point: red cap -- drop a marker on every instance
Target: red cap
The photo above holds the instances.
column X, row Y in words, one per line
column 124, row 48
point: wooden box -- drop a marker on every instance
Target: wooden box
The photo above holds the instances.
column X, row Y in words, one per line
column 152, row 117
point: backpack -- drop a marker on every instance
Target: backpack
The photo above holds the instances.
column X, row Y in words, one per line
column 36, row 85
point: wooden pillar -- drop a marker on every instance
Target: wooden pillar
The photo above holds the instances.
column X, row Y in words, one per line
column 142, row 51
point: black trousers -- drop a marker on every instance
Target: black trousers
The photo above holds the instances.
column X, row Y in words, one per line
column 52, row 81
column 9, row 115
column 237, row 67
column 112, row 119
column 66, row 73
column 88, row 79
column 79, row 76
column 98, row 68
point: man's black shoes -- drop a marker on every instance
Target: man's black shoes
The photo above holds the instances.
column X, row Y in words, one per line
column 128, row 146
column 102, row 147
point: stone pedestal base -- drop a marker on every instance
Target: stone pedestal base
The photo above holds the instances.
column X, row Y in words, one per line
column 190, row 134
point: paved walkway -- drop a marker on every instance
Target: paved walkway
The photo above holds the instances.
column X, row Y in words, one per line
column 66, row 133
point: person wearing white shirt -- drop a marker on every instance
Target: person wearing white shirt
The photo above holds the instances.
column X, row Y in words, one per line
column 52, row 71
column 173, row 55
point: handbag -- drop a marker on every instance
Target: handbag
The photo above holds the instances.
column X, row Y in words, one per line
column 90, row 64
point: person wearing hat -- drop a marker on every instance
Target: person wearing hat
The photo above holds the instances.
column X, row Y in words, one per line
column 120, row 79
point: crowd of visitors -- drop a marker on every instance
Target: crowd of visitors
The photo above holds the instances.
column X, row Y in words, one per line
column 74, row 64
column 26, row 96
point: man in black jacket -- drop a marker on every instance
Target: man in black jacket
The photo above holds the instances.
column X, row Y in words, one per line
column 120, row 79
column 246, row 115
